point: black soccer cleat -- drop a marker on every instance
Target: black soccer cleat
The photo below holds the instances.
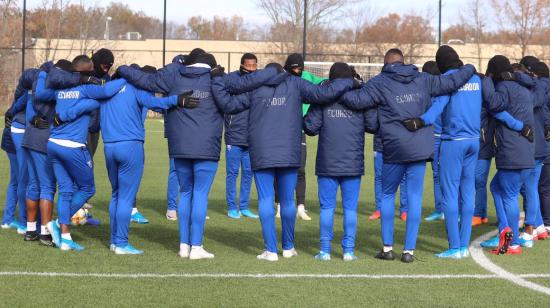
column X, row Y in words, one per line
column 31, row 236
column 46, row 240
column 407, row 258
column 388, row 256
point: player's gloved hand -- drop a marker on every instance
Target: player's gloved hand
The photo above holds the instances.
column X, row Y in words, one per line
column 527, row 132
column 91, row 80
column 8, row 118
column 507, row 76
column 414, row 124
column 57, row 120
column 355, row 74
column 357, row 84
column 547, row 133
column 186, row 100
column 40, row 122
column 217, row 71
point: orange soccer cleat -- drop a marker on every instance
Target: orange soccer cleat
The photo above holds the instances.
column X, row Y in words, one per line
column 375, row 216
column 478, row 220
column 403, row 216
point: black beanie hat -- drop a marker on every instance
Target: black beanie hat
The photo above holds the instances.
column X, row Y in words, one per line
column 102, row 56
column 179, row 59
column 340, row 70
column 293, row 61
column 207, row 58
column 541, row 69
column 148, row 69
column 192, row 57
column 430, row 67
column 529, row 62
column 498, row 65
column 65, row 65
column 447, row 58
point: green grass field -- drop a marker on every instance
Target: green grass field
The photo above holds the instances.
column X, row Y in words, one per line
column 236, row 244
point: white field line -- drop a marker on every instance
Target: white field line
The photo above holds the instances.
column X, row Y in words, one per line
column 260, row 276
column 479, row 257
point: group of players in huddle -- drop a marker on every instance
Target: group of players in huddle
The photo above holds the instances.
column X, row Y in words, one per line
column 447, row 114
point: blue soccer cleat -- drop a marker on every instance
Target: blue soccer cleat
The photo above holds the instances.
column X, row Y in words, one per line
column 491, row 243
column 21, row 229
column 248, row 213
column 70, row 245
column 464, row 252
column 138, row 218
column 349, row 256
column 322, row 256
column 450, row 254
column 56, row 234
column 526, row 242
column 128, row 250
column 235, row 214
column 435, row 216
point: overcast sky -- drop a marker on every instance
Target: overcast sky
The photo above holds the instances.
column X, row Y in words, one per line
column 180, row 10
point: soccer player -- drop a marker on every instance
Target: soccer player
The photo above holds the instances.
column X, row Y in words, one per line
column 274, row 148
column 540, row 69
column 72, row 163
column 460, row 124
column 401, row 92
column 340, row 163
column 515, row 152
column 194, row 139
column 236, row 152
column 430, row 67
column 11, row 142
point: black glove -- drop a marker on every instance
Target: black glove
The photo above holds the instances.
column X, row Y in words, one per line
column 116, row 75
column 527, row 132
column 547, row 133
column 8, row 118
column 355, row 74
column 91, row 80
column 57, row 120
column 357, row 84
column 40, row 122
column 217, row 71
column 507, row 76
column 414, row 124
column 186, row 100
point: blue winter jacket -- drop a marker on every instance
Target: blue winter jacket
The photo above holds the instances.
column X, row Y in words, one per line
column 275, row 120
column 542, row 101
column 18, row 107
column 341, row 144
column 460, row 111
column 77, row 103
column 7, row 143
column 236, row 125
column 512, row 150
column 487, row 135
column 192, row 133
column 401, row 92
column 122, row 115
column 43, row 105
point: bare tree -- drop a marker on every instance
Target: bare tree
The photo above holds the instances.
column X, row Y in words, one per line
column 524, row 18
column 287, row 18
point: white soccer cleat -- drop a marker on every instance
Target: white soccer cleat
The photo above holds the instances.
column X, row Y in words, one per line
column 171, row 215
column 184, row 250
column 112, row 247
column 198, row 253
column 278, row 214
column 290, row 253
column 302, row 213
column 268, row 256
column 5, row 226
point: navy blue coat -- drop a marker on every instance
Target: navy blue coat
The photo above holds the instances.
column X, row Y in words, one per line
column 487, row 135
column 43, row 105
column 24, row 85
column 541, row 114
column 236, row 125
column 512, row 150
column 192, row 133
column 341, row 145
column 275, row 120
column 401, row 92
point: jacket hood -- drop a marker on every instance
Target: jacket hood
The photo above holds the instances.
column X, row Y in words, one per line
column 193, row 71
column 525, row 80
column 403, row 73
column 47, row 66
column 277, row 79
